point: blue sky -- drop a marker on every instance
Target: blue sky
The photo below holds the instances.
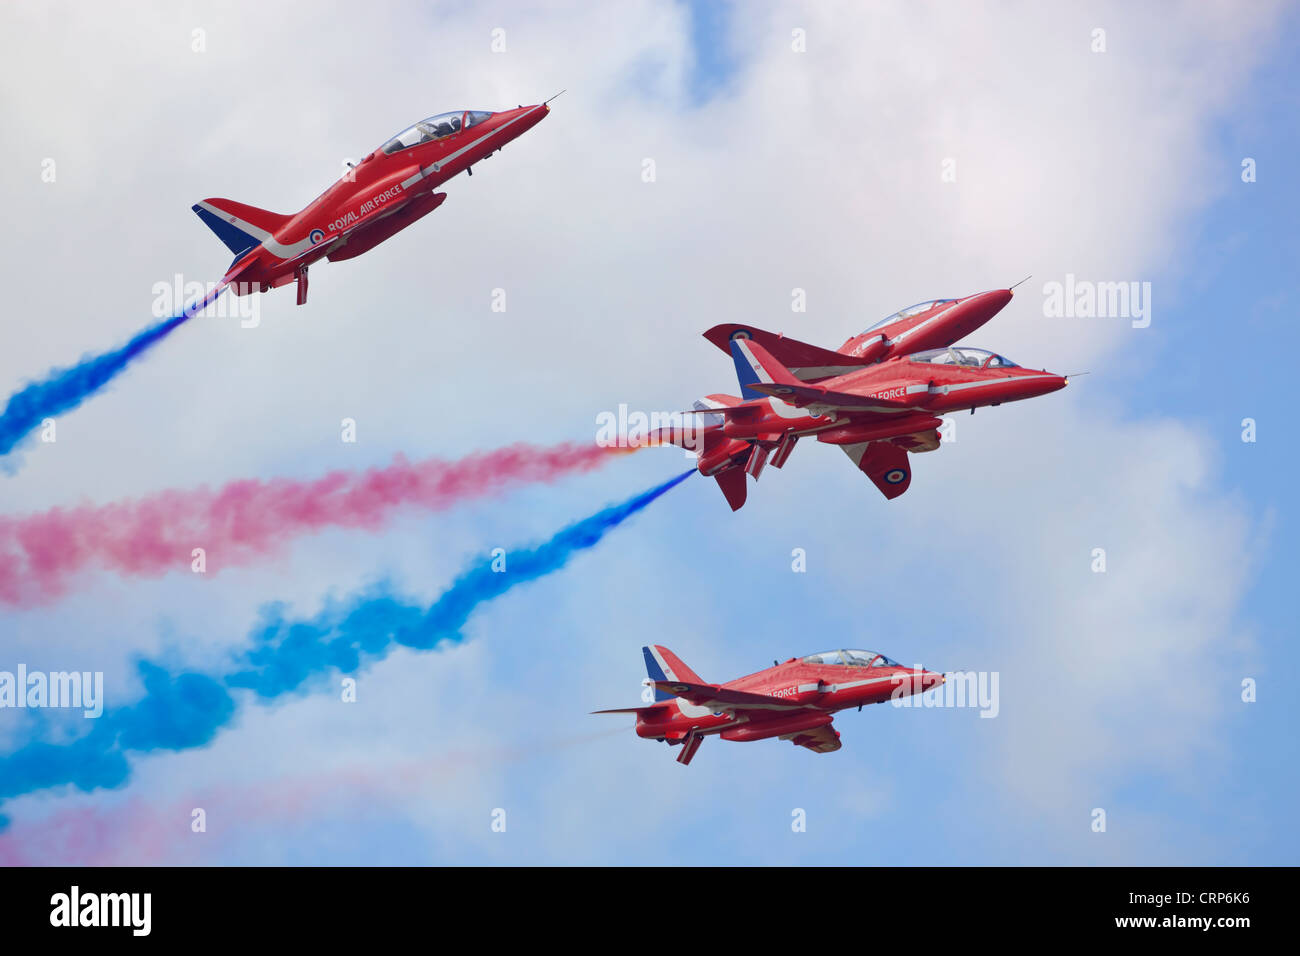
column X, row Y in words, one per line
column 775, row 170
column 1235, row 294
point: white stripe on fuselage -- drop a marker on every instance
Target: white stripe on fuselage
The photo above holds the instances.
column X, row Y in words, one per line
column 790, row 412
column 806, row 372
column 692, row 710
column 919, row 389
column 993, row 381
column 266, row 239
column 834, row 688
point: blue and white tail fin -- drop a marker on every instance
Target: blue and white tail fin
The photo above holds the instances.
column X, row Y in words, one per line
column 241, row 227
column 756, row 366
column 661, row 664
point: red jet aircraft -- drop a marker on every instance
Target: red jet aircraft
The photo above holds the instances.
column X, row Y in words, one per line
column 794, row 701
column 877, row 398
column 377, row 198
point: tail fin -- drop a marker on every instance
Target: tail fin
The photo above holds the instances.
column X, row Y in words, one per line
column 755, row 365
column 239, row 226
column 662, row 664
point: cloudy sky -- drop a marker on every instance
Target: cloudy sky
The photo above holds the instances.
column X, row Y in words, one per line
column 794, row 147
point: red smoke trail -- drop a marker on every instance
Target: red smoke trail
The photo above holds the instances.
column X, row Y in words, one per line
column 247, row 519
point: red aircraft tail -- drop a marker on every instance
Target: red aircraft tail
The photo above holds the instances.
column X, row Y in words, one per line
column 662, row 664
column 664, row 669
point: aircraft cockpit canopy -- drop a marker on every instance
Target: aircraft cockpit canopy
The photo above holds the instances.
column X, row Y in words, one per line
column 847, row 658
column 910, row 311
column 964, row 357
column 435, row 128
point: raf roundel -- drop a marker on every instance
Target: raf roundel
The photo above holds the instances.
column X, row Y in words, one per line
column 895, row 476
column 316, row 236
column 740, row 334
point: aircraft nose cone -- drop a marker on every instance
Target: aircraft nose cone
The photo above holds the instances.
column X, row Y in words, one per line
column 996, row 299
column 534, row 115
column 1046, row 385
column 984, row 305
column 526, row 115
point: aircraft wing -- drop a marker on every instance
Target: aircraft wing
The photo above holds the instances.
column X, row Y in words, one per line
column 721, row 698
column 336, row 239
column 821, row 740
column 803, row 395
column 884, row 463
column 806, row 362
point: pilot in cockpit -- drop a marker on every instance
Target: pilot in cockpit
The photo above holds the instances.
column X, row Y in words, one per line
column 446, row 125
column 850, row 658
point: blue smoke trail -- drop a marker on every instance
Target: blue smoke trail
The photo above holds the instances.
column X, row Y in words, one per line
column 64, row 389
column 186, row 710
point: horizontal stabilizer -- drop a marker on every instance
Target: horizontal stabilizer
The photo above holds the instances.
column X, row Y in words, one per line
column 803, row 395
column 713, row 695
